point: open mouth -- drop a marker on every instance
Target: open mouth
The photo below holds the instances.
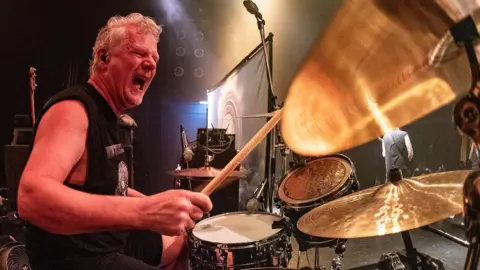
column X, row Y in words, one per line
column 139, row 82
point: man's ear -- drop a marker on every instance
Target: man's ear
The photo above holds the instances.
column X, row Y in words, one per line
column 102, row 56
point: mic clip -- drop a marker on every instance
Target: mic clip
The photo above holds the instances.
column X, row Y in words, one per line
column 283, row 224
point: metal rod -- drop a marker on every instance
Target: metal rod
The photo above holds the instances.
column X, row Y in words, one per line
column 446, row 235
column 471, row 263
column 410, row 251
column 207, row 162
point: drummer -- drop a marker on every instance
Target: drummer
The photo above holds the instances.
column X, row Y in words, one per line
column 74, row 190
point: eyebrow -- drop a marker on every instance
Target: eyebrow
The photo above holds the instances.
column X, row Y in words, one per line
column 155, row 55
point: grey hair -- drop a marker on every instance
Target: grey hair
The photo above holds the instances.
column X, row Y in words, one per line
column 114, row 31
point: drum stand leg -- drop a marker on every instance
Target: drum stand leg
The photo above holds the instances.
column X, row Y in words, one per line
column 339, row 251
column 316, row 264
column 414, row 258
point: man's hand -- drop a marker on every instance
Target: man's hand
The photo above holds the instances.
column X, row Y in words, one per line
column 173, row 212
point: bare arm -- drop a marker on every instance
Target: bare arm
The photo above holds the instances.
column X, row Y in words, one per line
column 135, row 193
column 409, row 147
column 43, row 199
column 175, row 253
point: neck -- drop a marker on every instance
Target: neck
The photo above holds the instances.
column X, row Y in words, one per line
column 101, row 87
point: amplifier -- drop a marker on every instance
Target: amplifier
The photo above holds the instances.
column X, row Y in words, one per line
column 222, row 149
column 216, row 137
column 16, row 157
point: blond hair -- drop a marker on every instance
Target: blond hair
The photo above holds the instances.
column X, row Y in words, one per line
column 114, row 31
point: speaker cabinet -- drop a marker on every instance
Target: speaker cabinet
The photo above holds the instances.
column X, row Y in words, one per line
column 16, row 157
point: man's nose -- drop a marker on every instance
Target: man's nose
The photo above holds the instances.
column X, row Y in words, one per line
column 149, row 64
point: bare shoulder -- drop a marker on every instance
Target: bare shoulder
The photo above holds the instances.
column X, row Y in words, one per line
column 66, row 114
column 60, row 140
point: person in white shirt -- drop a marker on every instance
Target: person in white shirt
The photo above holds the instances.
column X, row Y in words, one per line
column 397, row 150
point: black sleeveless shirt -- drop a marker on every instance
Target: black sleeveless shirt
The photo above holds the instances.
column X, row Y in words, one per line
column 107, row 174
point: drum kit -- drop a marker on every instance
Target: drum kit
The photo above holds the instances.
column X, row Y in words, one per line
column 378, row 65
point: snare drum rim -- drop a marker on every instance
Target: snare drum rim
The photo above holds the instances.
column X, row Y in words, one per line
column 233, row 246
column 293, row 203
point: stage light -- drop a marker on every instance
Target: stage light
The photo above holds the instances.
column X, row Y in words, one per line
column 180, row 51
column 181, row 34
column 204, row 102
column 178, row 71
column 199, row 35
column 198, row 72
column 199, row 53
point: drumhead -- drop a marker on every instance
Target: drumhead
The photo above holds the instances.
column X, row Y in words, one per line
column 317, row 179
column 235, row 228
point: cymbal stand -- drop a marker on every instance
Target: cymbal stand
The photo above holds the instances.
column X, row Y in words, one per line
column 414, row 258
column 471, row 201
column 450, row 237
column 338, row 247
column 466, row 116
column 284, row 152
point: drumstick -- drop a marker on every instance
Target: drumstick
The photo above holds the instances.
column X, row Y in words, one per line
column 240, row 156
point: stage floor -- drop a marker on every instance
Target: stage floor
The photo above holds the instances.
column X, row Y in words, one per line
column 365, row 253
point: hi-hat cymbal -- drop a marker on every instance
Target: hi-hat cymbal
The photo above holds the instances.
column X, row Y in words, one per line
column 389, row 208
column 376, row 67
column 206, row 172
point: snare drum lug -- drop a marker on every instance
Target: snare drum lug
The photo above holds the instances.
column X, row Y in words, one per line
column 196, row 243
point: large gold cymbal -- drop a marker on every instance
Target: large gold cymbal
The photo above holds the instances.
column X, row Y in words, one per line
column 372, row 71
column 389, row 208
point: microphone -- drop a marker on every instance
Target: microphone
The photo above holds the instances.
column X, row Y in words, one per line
column 252, row 8
column 254, row 203
column 187, row 152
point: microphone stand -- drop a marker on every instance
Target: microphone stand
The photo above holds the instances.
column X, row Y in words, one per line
column 272, row 159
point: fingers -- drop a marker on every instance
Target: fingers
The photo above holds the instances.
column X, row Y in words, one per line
column 189, row 223
column 196, row 212
column 201, row 200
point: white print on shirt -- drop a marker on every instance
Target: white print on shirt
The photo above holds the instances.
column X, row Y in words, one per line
column 122, row 185
column 114, row 150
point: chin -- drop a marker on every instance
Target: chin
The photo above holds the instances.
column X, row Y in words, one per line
column 132, row 103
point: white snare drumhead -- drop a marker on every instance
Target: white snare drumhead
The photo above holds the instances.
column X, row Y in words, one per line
column 236, row 228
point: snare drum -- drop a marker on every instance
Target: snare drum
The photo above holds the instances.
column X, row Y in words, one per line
column 239, row 240
column 318, row 181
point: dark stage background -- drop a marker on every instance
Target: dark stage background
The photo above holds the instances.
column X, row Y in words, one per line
column 57, row 39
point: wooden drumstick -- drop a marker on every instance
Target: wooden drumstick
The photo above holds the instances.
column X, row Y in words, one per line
column 240, row 156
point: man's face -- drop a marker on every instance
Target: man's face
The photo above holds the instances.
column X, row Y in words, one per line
column 131, row 66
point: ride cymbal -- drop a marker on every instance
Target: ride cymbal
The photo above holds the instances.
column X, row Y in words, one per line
column 379, row 65
column 389, row 208
column 206, row 172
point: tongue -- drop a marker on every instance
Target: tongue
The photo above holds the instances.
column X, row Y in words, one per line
column 137, row 83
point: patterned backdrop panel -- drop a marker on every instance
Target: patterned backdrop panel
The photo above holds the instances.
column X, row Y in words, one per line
column 243, row 93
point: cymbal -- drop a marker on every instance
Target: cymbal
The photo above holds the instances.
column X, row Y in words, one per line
column 389, row 208
column 261, row 115
column 379, row 65
column 206, row 172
